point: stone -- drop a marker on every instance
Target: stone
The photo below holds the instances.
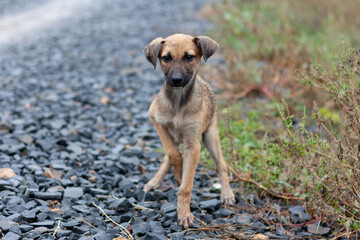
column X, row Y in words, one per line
column 16, row 229
column 155, row 236
column 170, row 216
column 156, row 228
column 4, row 184
column 222, row 212
column 63, row 233
column 48, row 195
column 121, row 205
column 168, row 207
column 82, row 208
column 126, row 217
column 42, row 216
column 5, row 127
column 29, row 215
column 44, row 145
column 207, row 218
column 318, row 229
column 126, row 183
column 25, row 228
column 244, row 219
column 42, row 230
column 158, row 195
column 73, row 192
column 298, row 214
column 101, row 235
column 11, row 236
column 304, row 234
column 75, row 149
column 81, row 229
column 16, row 217
column 5, row 225
column 52, row 173
column 296, row 209
column 7, row 173
column 210, row 204
column 98, row 191
column 140, row 228
column 71, row 223
column 47, row 223
column 177, row 236
column 26, row 139
column 175, row 227
column 29, row 205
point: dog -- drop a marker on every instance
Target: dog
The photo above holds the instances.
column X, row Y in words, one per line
column 182, row 112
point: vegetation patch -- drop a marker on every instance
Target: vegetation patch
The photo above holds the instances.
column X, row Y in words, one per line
column 292, row 80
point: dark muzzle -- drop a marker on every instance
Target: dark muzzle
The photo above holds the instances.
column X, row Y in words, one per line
column 177, row 81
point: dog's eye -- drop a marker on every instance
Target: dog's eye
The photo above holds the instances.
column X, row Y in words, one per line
column 166, row 59
column 189, row 58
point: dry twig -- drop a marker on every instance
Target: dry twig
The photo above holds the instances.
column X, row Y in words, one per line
column 259, row 185
column 123, row 229
column 84, row 221
column 57, row 228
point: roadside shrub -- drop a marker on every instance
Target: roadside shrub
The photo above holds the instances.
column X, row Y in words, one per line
column 330, row 153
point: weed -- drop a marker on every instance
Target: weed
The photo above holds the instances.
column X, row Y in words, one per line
column 249, row 148
column 331, row 158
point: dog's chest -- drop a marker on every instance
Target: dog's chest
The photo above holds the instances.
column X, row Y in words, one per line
column 180, row 126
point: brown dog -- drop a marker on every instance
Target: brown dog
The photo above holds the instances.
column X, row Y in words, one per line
column 182, row 112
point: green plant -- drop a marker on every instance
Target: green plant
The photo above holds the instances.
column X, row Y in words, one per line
column 248, row 147
column 330, row 156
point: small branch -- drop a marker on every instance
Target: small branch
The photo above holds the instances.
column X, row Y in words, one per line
column 84, row 221
column 201, row 222
column 243, row 179
column 123, row 229
column 57, row 228
column 141, row 207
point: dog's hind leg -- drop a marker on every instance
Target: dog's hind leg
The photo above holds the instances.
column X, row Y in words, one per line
column 212, row 143
column 156, row 181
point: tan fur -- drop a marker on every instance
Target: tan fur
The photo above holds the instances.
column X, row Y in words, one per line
column 182, row 116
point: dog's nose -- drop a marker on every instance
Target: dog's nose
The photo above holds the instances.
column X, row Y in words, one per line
column 176, row 80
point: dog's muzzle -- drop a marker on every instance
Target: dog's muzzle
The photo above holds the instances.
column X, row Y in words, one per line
column 177, row 82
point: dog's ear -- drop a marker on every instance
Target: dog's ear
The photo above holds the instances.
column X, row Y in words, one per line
column 153, row 49
column 207, row 45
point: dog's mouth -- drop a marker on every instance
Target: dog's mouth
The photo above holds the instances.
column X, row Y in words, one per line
column 177, row 85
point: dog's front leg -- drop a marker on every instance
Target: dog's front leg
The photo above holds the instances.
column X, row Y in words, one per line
column 170, row 149
column 191, row 156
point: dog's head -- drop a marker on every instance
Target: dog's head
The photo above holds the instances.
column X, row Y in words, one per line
column 180, row 56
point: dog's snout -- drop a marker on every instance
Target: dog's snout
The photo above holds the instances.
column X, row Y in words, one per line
column 176, row 80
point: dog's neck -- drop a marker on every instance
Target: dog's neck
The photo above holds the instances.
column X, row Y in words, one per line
column 179, row 97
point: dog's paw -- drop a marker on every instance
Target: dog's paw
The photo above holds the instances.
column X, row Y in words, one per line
column 185, row 219
column 151, row 185
column 227, row 197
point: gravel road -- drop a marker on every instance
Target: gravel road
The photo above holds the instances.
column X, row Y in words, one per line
column 74, row 94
